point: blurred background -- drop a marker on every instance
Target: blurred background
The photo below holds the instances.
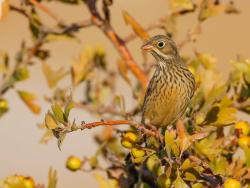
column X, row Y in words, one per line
column 225, row 37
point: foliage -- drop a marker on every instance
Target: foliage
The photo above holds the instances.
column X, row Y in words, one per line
column 209, row 146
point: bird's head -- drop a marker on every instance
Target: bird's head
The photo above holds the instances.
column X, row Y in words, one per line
column 161, row 47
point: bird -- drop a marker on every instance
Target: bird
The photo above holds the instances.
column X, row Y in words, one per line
column 171, row 87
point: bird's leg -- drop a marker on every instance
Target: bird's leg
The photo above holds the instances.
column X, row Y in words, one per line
column 151, row 130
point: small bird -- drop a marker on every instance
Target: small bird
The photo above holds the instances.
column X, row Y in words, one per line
column 172, row 86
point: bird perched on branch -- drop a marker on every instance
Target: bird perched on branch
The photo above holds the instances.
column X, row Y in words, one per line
column 172, row 86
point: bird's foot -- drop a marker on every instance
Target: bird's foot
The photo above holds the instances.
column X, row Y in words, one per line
column 151, row 130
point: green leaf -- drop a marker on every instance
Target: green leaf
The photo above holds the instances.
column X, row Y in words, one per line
column 4, row 62
column 21, row 74
column 58, row 37
column 58, row 113
column 28, row 99
column 67, row 110
column 153, row 163
column 163, row 181
column 35, row 24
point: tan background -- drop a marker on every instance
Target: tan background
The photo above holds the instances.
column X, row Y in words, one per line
column 224, row 36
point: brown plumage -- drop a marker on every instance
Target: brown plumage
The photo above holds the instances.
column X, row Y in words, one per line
column 172, row 86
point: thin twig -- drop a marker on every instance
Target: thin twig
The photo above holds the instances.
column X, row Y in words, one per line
column 190, row 36
column 19, row 10
column 45, row 9
column 105, row 123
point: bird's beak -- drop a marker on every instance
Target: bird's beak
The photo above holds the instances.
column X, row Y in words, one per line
column 147, row 47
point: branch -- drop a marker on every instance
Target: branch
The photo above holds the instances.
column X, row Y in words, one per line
column 45, row 9
column 117, row 42
column 190, row 36
column 7, row 83
column 150, row 132
column 74, row 27
column 105, row 123
column 21, row 11
column 208, row 175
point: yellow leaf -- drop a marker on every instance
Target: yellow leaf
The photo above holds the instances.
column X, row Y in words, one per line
column 106, row 183
column 226, row 116
column 82, row 66
column 170, row 24
column 50, row 122
column 170, row 144
column 123, row 70
column 47, row 136
column 28, row 99
column 179, row 182
column 181, row 5
column 52, row 76
column 207, row 60
column 135, row 26
column 209, row 8
column 4, row 9
column 58, row 113
column 52, row 178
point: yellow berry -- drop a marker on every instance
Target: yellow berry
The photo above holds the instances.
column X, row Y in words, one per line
column 243, row 126
column 231, row 183
column 126, row 144
column 137, row 152
column 28, row 182
column 244, row 141
column 3, row 104
column 130, row 136
column 73, row 163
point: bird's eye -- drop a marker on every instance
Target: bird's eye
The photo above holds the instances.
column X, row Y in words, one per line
column 161, row 44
